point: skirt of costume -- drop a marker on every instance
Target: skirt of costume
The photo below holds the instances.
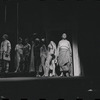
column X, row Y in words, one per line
column 64, row 59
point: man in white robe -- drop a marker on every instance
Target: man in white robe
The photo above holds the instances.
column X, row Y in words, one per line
column 5, row 53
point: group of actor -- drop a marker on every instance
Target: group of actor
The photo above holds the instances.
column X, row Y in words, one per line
column 38, row 57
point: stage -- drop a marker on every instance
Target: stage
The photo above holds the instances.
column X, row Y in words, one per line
column 49, row 88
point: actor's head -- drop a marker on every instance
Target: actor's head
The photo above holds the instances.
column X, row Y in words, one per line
column 26, row 40
column 5, row 37
column 64, row 36
column 43, row 40
column 20, row 40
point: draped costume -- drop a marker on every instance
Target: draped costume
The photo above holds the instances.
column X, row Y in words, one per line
column 5, row 50
column 19, row 56
column 43, row 56
column 50, row 61
column 5, row 53
column 26, row 54
column 37, row 55
column 64, row 55
column 32, row 68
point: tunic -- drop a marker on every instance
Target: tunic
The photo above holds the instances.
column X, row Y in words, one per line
column 5, row 50
column 27, row 49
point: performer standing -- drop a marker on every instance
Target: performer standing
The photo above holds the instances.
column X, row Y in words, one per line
column 26, row 54
column 5, row 53
column 37, row 55
column 64, row 53
column 51, row 57
column 32, row 58
column 43, row 55
column 32, row 68
column 19, row 56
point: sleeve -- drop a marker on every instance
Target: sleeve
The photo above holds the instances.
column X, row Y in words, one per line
column 9, row 47
column 46, row 51
column 16, row 47
column 1, row 46
column 40, row 51
column 70, row 49
column 49, row 46
column 29, row 47
column 33, row 43
column 57, row 50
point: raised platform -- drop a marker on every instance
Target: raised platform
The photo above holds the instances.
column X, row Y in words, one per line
column 49, row 88
column 33, row 87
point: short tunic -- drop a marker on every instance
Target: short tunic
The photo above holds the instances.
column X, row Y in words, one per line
column 5, row 50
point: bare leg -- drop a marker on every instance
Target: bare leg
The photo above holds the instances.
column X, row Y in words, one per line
column 47, row 72
column 67, row 74
column 61, row 70
column 17, row 68
column 7, row 67
column 43, row 63
column 4, row 65
column 53, row 65
column 61, row 74
column 47, row 65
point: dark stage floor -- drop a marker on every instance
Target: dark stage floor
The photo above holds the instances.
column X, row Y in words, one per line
column 49, row 88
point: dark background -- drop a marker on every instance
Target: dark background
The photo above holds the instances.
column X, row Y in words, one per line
column 55, row 16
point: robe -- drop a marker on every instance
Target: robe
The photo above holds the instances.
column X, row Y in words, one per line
column 32, row 68
column 5, row 50
column 64, row 53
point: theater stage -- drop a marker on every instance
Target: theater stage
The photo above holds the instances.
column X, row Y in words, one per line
column 49, row 88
